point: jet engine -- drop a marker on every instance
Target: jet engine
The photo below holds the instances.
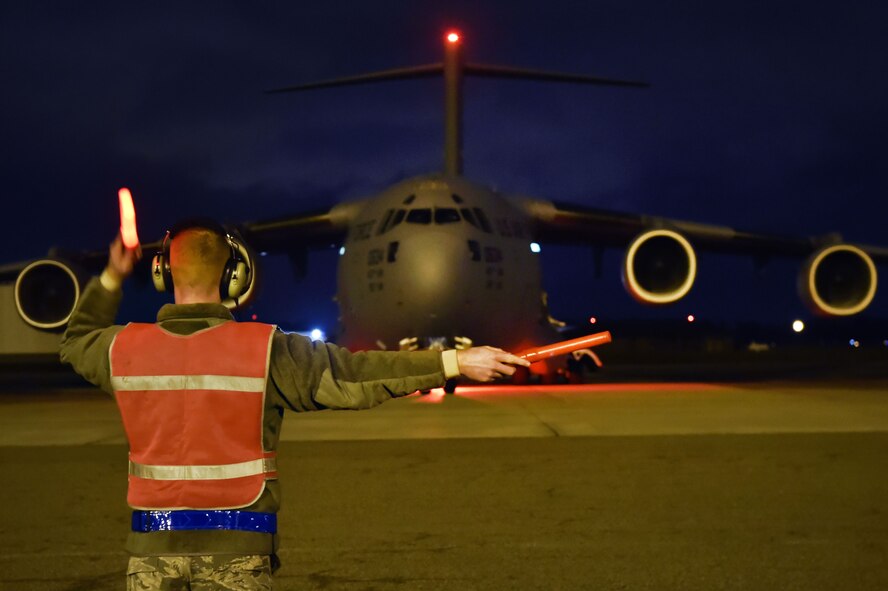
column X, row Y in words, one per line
column 46, row 292
column 839, row 280
column 659, row 267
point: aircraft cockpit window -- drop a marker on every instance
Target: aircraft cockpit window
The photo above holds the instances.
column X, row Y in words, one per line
column 399, row 217
column 469, row 216
column 482, row 219
column 392, row 218
column 384, row 225
column 456, row 198
column 446, row 215
column 419, row 216
column 409, row 199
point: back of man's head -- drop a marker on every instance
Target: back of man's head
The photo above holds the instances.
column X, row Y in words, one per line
column 197, row 259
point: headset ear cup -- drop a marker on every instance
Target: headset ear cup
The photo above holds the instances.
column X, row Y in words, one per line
column 237, row 275
column 167, row 273
column 224, row 282
column 159, row 272
column 237, row 280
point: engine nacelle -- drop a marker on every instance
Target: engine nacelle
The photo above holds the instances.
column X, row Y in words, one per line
column 660, row 267
column 838, row 280
column 46, row 292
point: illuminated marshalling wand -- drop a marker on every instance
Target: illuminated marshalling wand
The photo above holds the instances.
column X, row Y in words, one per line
column 128, row 232
column 454, row 69
column 564, row 347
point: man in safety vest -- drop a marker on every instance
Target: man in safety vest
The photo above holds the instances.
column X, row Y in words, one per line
column 202, row 397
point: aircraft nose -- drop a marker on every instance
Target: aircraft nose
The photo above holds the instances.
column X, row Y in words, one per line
column 435, row 273
column 436, row 260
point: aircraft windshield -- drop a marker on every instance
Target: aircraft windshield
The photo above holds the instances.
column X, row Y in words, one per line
column 438, row 215
column 446, row 215
column 419, row 216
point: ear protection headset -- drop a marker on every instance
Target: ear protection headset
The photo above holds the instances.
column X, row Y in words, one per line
column 236, row 276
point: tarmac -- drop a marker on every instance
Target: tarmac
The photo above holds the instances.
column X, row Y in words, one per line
column 765, row 484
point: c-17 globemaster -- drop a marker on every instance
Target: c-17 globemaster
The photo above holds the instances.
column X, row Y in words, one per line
column 438, row 260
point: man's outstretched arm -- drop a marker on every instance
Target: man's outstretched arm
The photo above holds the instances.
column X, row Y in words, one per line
column 311, row 375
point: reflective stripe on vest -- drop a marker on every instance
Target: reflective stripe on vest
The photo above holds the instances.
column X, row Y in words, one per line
column 148, row 383
column 251, row 468
column 193, row 410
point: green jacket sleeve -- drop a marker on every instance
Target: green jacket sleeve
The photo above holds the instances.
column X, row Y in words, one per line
column 310, row 375
column 89, row 334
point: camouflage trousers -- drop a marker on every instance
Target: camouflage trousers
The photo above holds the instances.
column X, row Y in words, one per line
column 198, row 573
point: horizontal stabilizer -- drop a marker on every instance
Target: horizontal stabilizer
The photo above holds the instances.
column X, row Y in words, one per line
column 381, row 76
column 489, row 71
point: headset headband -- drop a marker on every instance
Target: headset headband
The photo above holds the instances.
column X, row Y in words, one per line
column 237, row 276
column 201, row 222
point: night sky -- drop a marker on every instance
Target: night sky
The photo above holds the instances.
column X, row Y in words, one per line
column 766, row 116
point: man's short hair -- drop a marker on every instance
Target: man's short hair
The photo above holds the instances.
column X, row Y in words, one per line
column 198, row 253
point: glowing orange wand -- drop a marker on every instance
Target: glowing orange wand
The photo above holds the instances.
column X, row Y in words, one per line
column 546, row 351
column 127, row 219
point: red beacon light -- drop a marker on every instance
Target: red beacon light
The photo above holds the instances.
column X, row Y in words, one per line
column 452, row 37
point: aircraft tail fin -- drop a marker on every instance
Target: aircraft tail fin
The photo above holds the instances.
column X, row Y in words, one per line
column 453, row 69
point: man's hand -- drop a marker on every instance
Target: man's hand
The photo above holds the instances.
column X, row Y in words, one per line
column 122, row 260
column 485, row 364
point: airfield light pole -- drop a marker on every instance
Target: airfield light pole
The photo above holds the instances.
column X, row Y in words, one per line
column 453, row 79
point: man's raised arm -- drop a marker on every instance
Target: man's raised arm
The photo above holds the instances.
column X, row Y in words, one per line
column 91, row 329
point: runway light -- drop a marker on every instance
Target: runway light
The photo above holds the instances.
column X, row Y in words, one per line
column 317, row 334
column 885, row 342
column 593, row 320
column 798, row 326
column 452, row 37
column 691, row 318
column 341, row 250
column 854, row 343
column 535, row 247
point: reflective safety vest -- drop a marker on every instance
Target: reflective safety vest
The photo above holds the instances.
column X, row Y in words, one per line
column 192, row 407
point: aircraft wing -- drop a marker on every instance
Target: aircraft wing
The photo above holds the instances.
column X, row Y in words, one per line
column 91, row 261
column 279, row 235
column 315, row 229
column 42, row 293
column 565, row 223
column 294, row 236
column 660, row 265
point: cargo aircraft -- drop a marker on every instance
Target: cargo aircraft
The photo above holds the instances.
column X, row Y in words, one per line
column 439, row 260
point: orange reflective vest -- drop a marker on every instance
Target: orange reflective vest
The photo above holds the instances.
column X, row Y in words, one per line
column 192, row 407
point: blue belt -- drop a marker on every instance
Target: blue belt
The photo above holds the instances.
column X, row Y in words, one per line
column 148, row 521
